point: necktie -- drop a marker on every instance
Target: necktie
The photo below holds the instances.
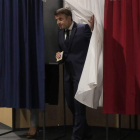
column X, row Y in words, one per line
column 67, row 34
column 67, row 38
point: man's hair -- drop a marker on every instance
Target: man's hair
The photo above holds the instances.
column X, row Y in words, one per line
column 64, row 11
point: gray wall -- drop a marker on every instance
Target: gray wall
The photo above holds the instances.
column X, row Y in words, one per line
column 51, row 29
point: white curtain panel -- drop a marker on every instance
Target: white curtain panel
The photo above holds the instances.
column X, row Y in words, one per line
column 90, row 88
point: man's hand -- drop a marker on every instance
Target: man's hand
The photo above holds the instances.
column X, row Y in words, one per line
column 58, row 55
column 91, row 22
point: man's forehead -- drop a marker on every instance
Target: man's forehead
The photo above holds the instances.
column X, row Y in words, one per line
column 60, row 15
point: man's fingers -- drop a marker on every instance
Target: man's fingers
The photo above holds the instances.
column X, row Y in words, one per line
column 91, row 22
column 91, row 19
column 58, row 54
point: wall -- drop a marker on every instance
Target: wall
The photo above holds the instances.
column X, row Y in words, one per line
column 6, row 116
column 54, row 115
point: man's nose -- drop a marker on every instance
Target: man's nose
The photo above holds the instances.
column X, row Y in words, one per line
column 58, row 22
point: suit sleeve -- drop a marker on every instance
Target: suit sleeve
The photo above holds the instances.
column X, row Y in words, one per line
column 60, row 50
column 87, row 32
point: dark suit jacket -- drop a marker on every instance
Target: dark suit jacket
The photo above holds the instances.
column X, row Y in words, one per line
column 75, row 53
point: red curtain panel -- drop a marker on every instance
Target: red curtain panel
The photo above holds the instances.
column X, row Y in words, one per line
column 122, row 57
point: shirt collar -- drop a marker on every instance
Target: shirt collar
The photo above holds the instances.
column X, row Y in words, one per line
column 71, row 26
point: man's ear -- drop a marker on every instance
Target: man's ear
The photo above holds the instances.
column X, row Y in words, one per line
column 69, row 18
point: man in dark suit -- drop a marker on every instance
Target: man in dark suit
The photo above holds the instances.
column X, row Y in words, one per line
column 74, row 41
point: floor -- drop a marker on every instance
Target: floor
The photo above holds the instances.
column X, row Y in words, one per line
column 54, row 133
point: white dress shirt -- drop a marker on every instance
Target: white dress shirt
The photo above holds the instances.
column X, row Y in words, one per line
column 70, row 29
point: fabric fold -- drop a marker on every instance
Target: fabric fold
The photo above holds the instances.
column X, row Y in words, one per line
column 90, row 87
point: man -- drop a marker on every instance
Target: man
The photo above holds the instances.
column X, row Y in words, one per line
column 74, row 41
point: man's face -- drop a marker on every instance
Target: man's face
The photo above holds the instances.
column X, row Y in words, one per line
column 62, row 21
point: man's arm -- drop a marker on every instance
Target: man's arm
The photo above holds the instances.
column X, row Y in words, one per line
column 87, row 32
column 89, row 28
column 91, row 22
column 59, row 54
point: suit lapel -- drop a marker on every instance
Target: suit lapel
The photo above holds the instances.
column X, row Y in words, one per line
column 62, row 40
column 72, row 34
column 62, row 36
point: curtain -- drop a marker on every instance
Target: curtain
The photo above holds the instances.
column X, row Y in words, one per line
column 121, row 57
column 21, row 54
column 121, row 75
column 90, row 87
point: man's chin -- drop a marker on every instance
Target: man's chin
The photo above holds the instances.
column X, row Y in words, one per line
column 60, row 27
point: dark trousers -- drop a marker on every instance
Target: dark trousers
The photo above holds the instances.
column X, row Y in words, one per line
column 78, row 110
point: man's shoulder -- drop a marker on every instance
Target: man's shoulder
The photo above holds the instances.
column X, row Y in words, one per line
column 82, row 25
column 78, row 25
